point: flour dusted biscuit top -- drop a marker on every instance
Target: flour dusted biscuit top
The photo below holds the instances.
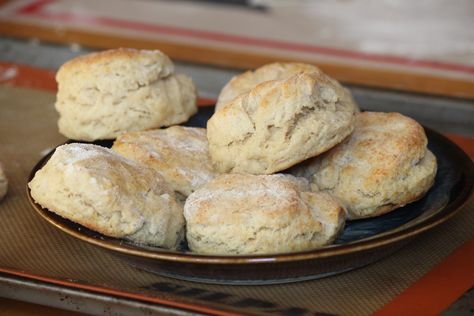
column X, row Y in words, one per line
column 383, row 165
column 3, row 183
column 103, row 94
column 110, row 194
column 280, row 123
column 125, row 67
column 237, row 214
column 244, row 82
column 180, row 154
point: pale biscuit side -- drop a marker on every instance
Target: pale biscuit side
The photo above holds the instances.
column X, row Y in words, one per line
column 103, row 94
column 237, row 214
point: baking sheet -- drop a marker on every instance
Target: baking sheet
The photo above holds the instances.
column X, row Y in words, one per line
column 31, row 247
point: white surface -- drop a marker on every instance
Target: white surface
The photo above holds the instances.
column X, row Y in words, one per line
column 433, row 30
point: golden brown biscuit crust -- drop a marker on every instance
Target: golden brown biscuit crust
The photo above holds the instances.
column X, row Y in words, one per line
column 103, row 94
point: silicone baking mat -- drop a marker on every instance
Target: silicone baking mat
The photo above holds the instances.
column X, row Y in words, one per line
column 434, row 270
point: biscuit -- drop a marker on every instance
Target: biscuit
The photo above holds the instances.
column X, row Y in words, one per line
column 280, row 123
column 3, row 183
column 383, row 165
column 180, row 154
column 103, row 94
column 244, row 82
column 97, row 188
column 237, row 214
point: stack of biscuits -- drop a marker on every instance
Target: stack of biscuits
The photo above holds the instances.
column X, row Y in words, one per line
column 285, row 160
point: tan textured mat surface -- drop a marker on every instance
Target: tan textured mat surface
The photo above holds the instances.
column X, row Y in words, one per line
column 29, row 244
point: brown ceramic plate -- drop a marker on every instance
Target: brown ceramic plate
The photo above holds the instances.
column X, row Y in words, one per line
column 362, row 241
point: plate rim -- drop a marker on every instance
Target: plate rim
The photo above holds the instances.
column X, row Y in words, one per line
column 379, row 240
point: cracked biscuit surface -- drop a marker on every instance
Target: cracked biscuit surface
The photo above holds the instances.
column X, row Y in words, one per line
column 103, row 94
column 180, row 154
column 237, row 214
column 383, row 165
column 280, row 123
column 105, row 192
column 244, row 82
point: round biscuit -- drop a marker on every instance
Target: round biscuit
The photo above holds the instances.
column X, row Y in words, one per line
column 280, row 123
column 101, row 95
column 383, row 165
column 180, row 154
column 105, row 192
column 237, row 214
